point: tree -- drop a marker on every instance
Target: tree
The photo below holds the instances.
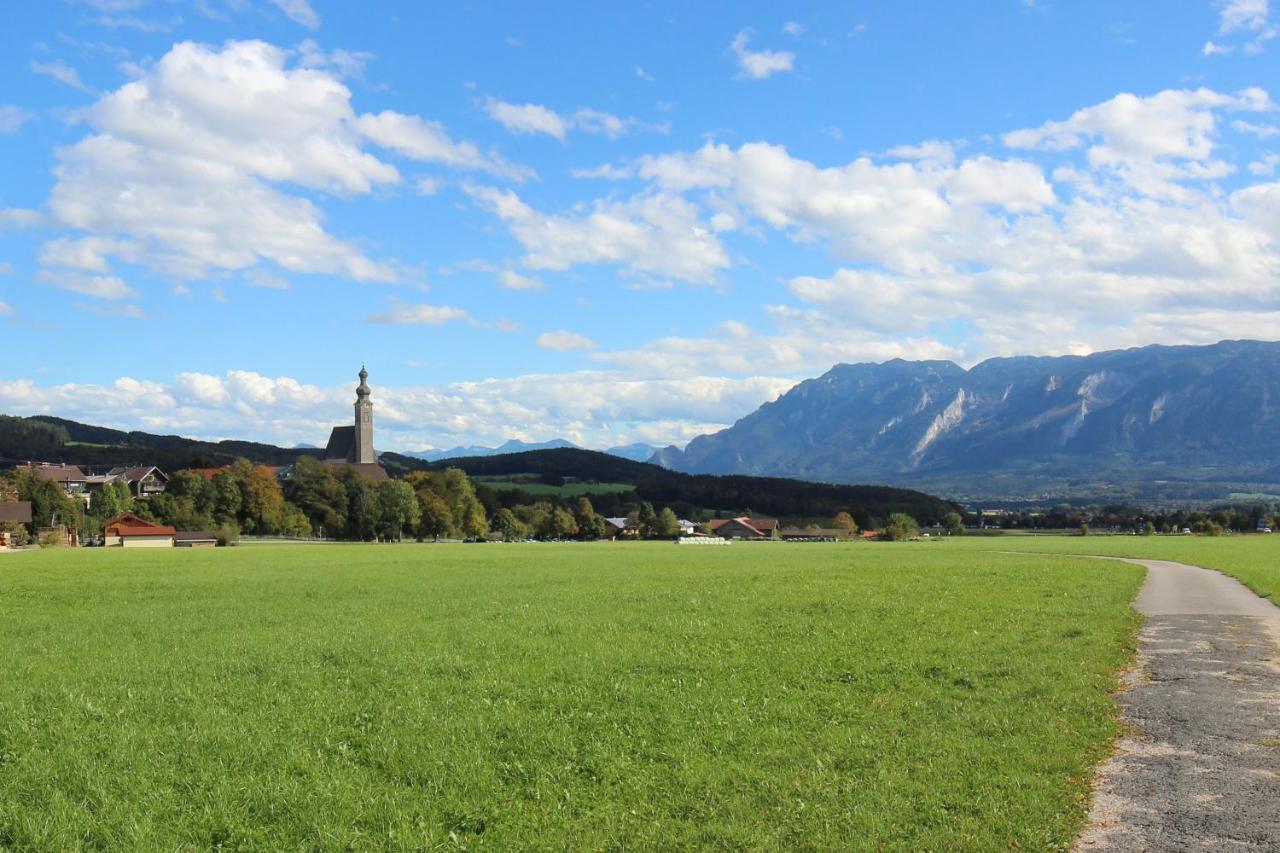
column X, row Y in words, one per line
column 226, row 498
column 590, row 522
column 666, row 526
column 261, row 500
column 647, row 521
column 398, row 509
column 111, row 500
column 1084, row 528
column 362, row 505
column 901, row 526
column 511, row 528
column 536, row 516
column 435, row 520
column 563, row 524
column 320, row 495
column 1149, row 529
column 295, row 522
column 844, row 521
column 953, row 523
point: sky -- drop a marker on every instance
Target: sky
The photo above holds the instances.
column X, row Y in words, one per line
column 609, row 222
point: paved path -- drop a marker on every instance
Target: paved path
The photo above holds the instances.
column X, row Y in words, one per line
column 1202, row 769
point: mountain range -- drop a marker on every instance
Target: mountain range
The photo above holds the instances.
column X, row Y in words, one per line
column 1157, row 421
column 634, row 452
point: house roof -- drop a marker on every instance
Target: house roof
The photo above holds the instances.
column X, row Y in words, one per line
column 17, row 512
column 208, row 473
column 194, row 536
column 145, row 530
column 761, row 526
column 61, row 473
column 128, row 519
column 617, row 521
column 136, row 473
column 822, row 533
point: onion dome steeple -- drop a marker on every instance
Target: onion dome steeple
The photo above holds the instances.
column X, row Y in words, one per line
column 362, row 390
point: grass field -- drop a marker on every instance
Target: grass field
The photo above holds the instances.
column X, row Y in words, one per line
column 906, row 696
column 1252, row 558
column 569, row 490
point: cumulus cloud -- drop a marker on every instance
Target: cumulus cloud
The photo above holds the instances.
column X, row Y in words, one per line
column 401, row 314
column 759, row 64
column 193, row 168
column 97, row 286
column 63, row 73
column 592, row 408
column 512, row 280
column 535, row 118
column 564, row 341
column 1249, row 21
column 299, row 11
column 1072, row 238
column 650, row 235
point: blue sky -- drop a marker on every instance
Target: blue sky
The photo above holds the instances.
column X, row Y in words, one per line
column 611, row 223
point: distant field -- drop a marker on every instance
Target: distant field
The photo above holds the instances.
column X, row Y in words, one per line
column 914, row 696
column 568, row 490
column 1252, row 558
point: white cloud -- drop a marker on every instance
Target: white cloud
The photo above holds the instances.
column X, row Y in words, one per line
column 757, row 65
column 343, row 63
column 1249, row 19
column 930, row 151
column 650, row 235
column 401, row 314
column 1235, row 15
column 643, row 75
column 1262, row 131
column 564, row 341
column 512, row 280
column 12, row 117
column 19, row 217
column 535, row 118
column 61, row 72
column 5, row 309
column 97, row 286
column 526, row 118
column 1265, row 166
column 427, row 141
column 300, row 12
column 592, row 408
column 193, row 168
column 793, row 28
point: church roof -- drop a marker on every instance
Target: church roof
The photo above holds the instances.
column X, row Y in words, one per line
column 340, row 441
column 372, row 470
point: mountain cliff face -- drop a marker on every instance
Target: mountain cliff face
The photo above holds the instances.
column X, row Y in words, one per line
column 1016, row 425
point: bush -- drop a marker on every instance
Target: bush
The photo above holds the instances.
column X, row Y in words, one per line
column 227, row 535
column 901, row 526
column 49, row 539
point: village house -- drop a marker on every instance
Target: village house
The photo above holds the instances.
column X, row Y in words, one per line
column 12, row 514
column 129, row 530
column 72, row 478
column 744, row 527
column 143, row 480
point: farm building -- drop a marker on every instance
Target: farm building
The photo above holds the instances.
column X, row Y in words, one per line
column 133, row 531
column 745, row 528
column 195, row 539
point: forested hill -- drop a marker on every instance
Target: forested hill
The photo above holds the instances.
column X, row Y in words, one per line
column 768, row 496
column 50, row 439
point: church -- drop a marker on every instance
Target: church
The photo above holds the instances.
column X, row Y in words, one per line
column 353, row 445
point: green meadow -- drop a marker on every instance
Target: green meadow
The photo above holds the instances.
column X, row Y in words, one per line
column 582, row 696
column 1254, row 559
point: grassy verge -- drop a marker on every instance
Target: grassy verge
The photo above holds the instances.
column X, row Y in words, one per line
column 1254, row 559
column 826, row 697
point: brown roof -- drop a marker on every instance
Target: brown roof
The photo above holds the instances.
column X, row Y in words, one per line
column 372, row 470
column 822, row 533
column 129, row 519
column 61, row 473
column 147, row 530
column 195, row 536
column 16, row 512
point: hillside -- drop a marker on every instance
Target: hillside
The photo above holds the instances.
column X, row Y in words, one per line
column 1181, row 419
column 761, row 495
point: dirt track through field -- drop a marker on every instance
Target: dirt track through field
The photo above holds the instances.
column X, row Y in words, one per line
column 1201, row 769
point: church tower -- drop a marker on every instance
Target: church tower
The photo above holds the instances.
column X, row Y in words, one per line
column 362, row 445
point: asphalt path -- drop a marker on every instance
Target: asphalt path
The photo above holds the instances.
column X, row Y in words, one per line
column 1201, row 768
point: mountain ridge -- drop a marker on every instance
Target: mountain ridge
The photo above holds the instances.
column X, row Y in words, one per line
column 1018, row 424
